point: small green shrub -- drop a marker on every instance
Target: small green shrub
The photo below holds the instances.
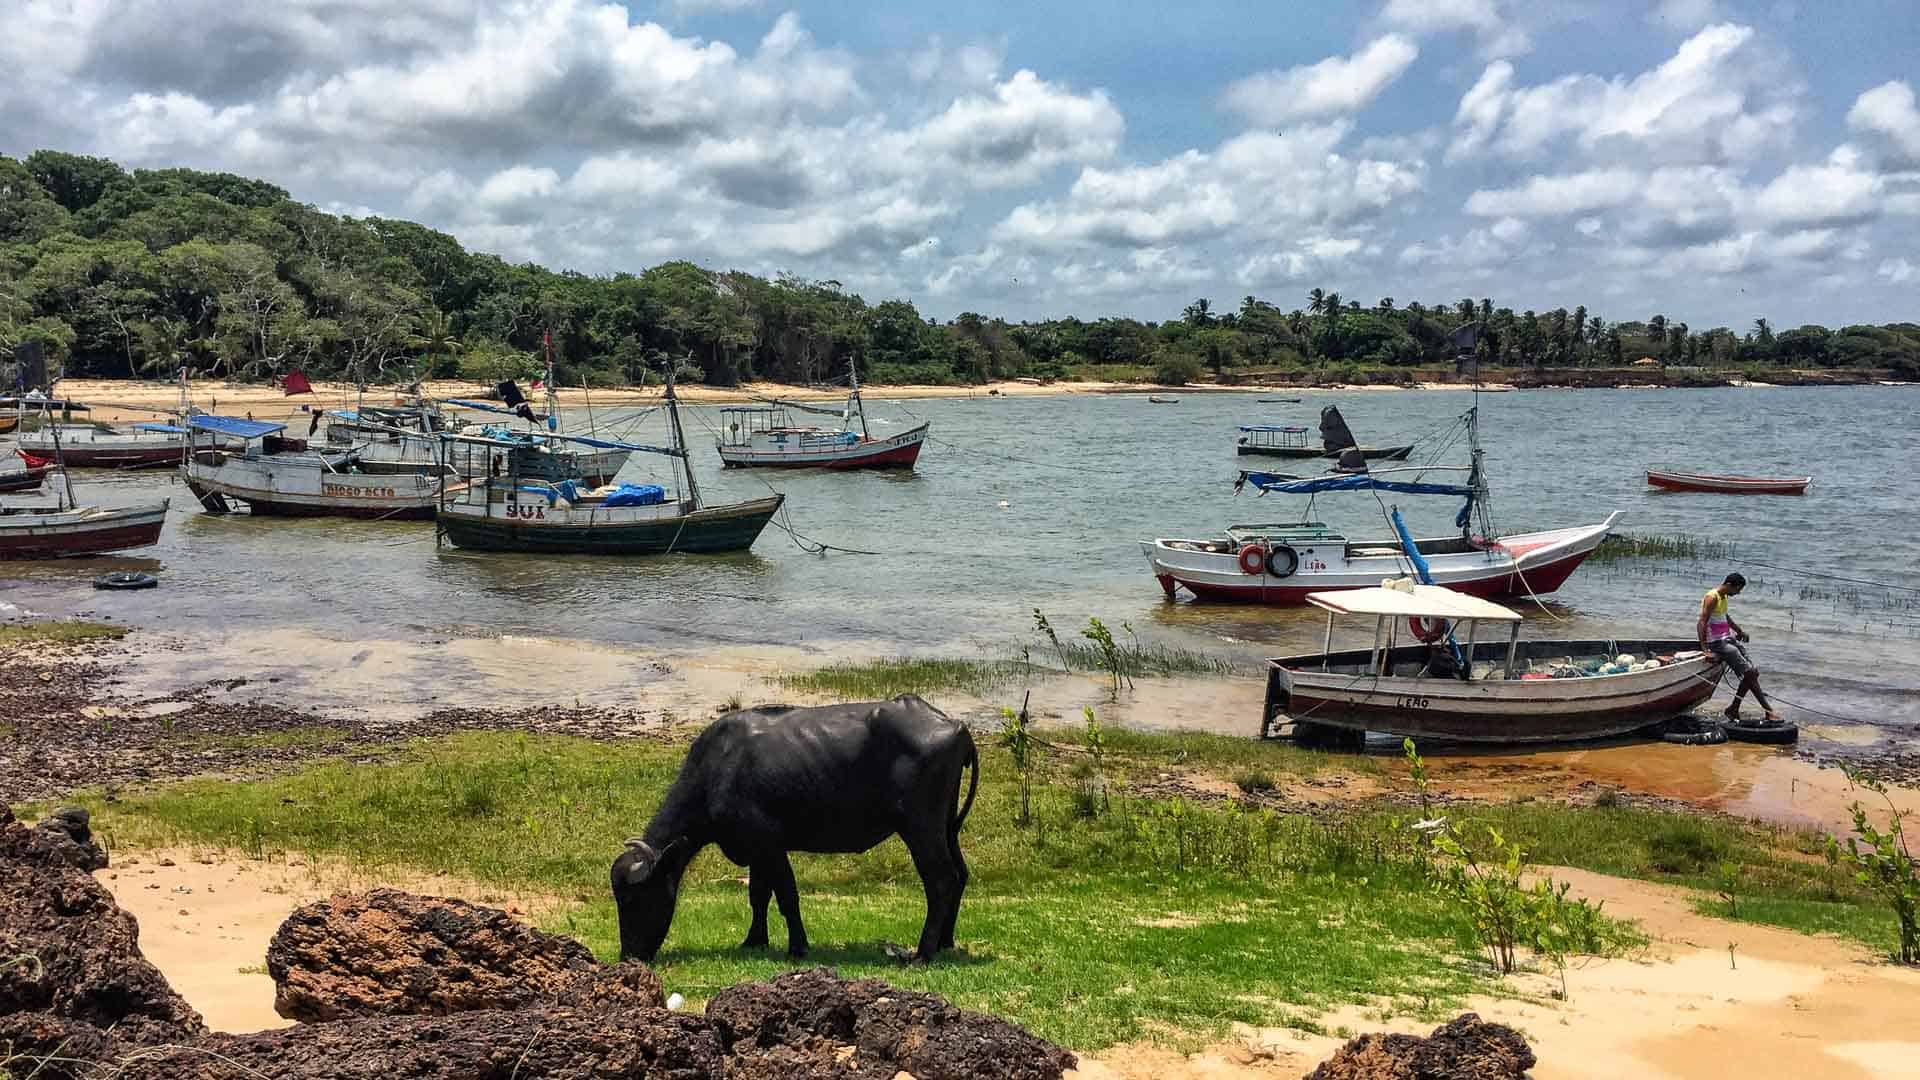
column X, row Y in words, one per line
column 1255, row 781
column 1683, row 847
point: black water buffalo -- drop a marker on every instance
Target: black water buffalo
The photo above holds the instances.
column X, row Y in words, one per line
column 765, row 781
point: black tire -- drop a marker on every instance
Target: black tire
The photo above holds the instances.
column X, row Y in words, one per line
column 1691, row 730
column 1281, row 561
column 1780, row 734
column 124, row 581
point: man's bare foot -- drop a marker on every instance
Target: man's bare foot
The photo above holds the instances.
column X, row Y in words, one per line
column 1731, row 714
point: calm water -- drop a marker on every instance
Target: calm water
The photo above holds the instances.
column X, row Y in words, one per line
column 1040, row 501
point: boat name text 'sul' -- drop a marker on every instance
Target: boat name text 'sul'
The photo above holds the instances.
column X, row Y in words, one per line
column 529, row 512
column 357, row 492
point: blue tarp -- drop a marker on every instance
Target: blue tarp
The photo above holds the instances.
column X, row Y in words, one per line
column 1313, row 485
column 164, row 429
column 233, row 425
column 637, row 495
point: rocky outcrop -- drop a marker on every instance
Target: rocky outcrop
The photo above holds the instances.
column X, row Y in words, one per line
column 1468, row 1048
column 69, row 957
column 543, row 1043
column 392, row 953
column 815, row 1024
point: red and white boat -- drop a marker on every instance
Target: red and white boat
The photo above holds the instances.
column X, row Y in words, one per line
column 28, row 476
column 761, row 435
column 66, row 528
column 90, row 446
column 1283, row 563
column 1669, row 480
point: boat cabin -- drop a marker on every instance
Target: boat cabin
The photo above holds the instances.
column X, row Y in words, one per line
column 767, row 427
column 1272, row 437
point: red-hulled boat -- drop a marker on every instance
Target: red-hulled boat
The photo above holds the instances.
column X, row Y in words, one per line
column 761, row 435
column 28, row 476
column 66, row 528
column 1669, row 480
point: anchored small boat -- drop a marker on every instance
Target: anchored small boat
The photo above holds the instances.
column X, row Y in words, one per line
column 28, row 476
column 511, row 513
column 762, row 435
column 277, row 476
column 92, row 446
column 67, row 528
column 1156, row 399
column 1283, row 563
column 1279, row 400
column 1290, row 441
column 405, row 438
column 1445, row 685
column 1728, row 485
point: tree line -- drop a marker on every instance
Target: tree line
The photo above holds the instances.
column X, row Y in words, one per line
column 139, row 273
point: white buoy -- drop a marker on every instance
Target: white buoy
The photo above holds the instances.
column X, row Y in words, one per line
column 1004, row 504
column 674, row 1002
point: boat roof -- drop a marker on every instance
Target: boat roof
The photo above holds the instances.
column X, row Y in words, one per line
column 751, row 408
column 233, row 425
column 1424, row 602
column 1290, row 429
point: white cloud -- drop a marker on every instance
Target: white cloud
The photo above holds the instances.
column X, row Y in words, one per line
column 1835, row 193
column 1498, row 30
column 1025, row 127
column 1589, row 226
column 1714, row 100
column 1898, row 271
column 701, row 7
column 1889, row 110
column 1338, row 84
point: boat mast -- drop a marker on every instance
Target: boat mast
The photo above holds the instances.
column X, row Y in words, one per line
column 1477, row 476
column 680, row 439
column 853, row 375
column 553, row 399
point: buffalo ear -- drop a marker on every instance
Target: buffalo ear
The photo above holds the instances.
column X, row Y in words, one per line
column 641, row 860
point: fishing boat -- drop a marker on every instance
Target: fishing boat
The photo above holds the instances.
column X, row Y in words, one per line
column 1283, row 563
column 1156, row 399
column 405, row 438
column 1279, row 400
column 68, row 529
column 762, row 435
column 1728, row 485
column 95, row 446
column 512, row 513
column 274, row 475
column 1443, row 684
column 28, row 476
column 1290, row 441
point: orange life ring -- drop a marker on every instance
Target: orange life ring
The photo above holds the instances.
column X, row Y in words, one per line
column 1427, row 630
column 1252, row 559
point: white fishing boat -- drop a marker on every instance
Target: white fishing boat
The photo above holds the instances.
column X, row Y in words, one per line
column 1446, row 685
column 92, row 446
column 762, row 435
column 278, row 476
column 1282, row 563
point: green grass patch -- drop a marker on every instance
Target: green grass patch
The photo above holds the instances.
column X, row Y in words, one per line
column 886, row 677
column 1620, row 547
column 293, row 738
column 59, row 632
column 1152, row 918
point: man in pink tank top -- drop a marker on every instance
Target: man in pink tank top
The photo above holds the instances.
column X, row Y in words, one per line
column 1722, row 637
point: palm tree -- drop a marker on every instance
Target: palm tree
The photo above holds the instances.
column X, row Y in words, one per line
column 1762, row 332
column 1317, row 301
column 1557, row 334
column 1579, row 327
column 1486, row 310
column 435, row 338
column 1385, row 304
column 1596, row 334
column 1676, row 340
column 1465, row 307
column 1199, row 313
column 1657, row 330
column 1330, row 309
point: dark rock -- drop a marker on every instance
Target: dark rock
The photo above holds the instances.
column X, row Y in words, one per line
column 392, row 953
column 86, row 965
column 48, row 1047
column 1467, row 1048
column 545, row 1043
column 814, row 1024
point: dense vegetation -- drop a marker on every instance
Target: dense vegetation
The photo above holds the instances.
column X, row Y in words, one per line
column 139, row 273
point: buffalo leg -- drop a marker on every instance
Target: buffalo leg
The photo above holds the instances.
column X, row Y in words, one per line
column 960, row 867
column 780, row 879
column 759, row 891
column 933, row 857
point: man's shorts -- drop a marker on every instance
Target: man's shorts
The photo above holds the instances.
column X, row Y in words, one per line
column 1731, row 654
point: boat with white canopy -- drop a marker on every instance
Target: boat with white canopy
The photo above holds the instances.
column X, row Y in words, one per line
column 1445, row 683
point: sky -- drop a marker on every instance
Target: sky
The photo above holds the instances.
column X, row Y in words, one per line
column 1712, row 160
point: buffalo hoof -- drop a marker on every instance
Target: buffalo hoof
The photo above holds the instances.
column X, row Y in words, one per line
column 797, row 951
column 754, row 943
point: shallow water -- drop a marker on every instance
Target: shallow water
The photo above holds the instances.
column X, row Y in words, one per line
column 1083, row 478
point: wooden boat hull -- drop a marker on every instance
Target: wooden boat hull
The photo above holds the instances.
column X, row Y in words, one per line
column 1728, row 485
column 280, row 488
column 26, row 534
column 1490, row 710
column 898, row 452
column 9, row 423
column 22, row 479
column 1520, row 565
column 1305, row 453
column 537, row 528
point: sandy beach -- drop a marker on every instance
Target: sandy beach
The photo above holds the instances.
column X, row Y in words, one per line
column 120, row 400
